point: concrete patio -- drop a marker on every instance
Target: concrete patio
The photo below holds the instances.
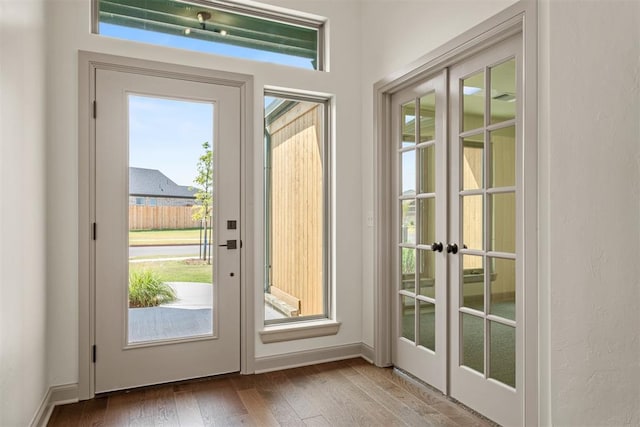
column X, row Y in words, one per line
column 191, row 315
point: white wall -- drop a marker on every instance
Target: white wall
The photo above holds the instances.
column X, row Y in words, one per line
column 69, row 24
column 394, row 34
column 23, row 291
column 590, row 115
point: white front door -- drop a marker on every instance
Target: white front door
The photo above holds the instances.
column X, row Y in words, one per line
column 167, row 292
column 459, row 300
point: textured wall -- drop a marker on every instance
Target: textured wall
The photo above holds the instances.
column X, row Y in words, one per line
column 590, row 115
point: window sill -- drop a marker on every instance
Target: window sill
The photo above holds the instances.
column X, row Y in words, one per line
column 300, row 330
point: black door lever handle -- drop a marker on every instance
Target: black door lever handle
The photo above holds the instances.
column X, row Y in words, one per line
column 231, row 244
column 452, row 248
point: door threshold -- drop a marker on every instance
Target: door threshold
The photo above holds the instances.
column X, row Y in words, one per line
column 164, row 384
column 425, row 388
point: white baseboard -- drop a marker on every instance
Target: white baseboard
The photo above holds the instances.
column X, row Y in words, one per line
column 56, row 395
column 367, row 353
column 309, row 357
column 62, row 394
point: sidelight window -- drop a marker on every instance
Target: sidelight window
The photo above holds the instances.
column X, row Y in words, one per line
column 296, row 208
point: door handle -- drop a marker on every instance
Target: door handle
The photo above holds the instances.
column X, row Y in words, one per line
column 436, row 246
column 231, row 244
column 452, row 248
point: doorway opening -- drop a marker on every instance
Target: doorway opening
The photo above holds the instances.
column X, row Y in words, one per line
column 456, row 185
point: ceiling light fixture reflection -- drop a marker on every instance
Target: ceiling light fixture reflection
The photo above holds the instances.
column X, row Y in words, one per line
column 203, row 17
column 470, row 90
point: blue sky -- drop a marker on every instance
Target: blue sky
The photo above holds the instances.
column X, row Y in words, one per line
column 186, row 42
column 167, row 135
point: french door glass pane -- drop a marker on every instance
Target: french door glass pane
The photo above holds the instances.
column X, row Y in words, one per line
column 171, row 151
column 472, row 162
column 502, row 353
column 427, row 220
column 503, row 91
column 472, row 342
column 473, row 282
column 408, row 265
column 409, row 172
column 503, row 220
column 408, row 315
column 503, row 157
column 472, row 222
column 503, row 287
column 428, row 117
column 427, row 273
column 408, row 123
column 408, row 232
column 473, row 102
column 427, row 169
column 427, row 325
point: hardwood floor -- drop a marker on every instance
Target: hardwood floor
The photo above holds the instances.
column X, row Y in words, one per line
column 345, row 393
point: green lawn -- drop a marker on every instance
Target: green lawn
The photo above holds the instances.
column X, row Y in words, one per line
column 177, row 271
column 141, row 258
column 164, row 237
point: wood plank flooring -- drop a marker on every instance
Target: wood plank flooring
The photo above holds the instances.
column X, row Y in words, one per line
column 345, row 393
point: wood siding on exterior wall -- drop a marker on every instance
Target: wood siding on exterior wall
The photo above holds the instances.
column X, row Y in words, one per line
column 296, row 206
column 161, row 217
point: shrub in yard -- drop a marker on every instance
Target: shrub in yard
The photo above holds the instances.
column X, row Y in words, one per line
column 147, row 290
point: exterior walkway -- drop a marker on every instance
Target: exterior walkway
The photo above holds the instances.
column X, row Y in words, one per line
column 190, row 315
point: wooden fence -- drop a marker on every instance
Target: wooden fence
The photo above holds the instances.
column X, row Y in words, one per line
column 161, row 217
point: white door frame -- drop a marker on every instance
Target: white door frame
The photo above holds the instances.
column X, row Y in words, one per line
column 519, row 18
column 88, row 63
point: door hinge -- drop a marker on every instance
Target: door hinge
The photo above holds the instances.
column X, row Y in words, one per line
column 95, row 109
column 93, row 353
column 94, row 231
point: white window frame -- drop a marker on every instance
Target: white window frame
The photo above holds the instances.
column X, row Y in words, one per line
column 255, row 10
column 319, row 325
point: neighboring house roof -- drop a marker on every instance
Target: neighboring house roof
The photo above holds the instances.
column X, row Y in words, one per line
column 152, row 182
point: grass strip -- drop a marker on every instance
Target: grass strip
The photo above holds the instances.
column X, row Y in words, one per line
column 189, row 270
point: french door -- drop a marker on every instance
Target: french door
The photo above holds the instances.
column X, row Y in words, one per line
column 458, row 223
column 420, row 216
column 167, row 254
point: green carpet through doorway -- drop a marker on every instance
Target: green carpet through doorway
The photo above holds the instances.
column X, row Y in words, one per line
column 501, row 366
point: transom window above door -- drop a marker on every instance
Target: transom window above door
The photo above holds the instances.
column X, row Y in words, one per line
column 217, row 27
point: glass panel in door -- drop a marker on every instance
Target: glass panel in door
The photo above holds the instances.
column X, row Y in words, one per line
column 503, row 91
column 171, row 184
column 473, row 103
